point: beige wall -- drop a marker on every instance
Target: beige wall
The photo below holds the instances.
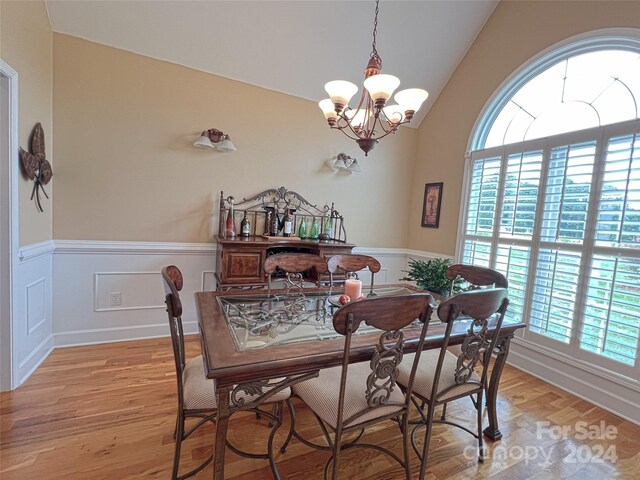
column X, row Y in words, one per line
column 26, row 45
column 514, row 33
column 126, row 170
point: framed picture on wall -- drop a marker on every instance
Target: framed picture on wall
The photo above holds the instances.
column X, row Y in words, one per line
column 431, row 205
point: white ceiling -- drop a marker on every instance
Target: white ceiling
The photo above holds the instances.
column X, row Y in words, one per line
column 293, row 47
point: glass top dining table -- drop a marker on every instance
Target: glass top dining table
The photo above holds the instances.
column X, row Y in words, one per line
column 250, row 336
column 293, row 316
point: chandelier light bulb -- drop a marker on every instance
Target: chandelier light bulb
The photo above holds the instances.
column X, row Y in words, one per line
column 394, row 113
column 328, row 109
column 357, row 118
column 340, row 92
column 381, row 87
column 411, row 99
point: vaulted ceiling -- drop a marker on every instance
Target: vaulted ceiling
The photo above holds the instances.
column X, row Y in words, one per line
column 293, row 47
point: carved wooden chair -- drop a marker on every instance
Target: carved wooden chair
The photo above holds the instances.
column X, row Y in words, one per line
column 294, row 265
column 369, row 394
column 456, row 376
column 196, row 394
column 476, row 277
column 350, row 264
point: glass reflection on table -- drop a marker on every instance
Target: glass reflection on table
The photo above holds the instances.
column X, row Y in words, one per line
column 262, row 320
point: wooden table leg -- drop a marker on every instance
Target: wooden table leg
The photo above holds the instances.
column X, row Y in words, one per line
column 222, row 421
column 502, row 350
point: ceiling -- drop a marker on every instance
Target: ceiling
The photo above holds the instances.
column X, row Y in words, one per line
column 293, row 47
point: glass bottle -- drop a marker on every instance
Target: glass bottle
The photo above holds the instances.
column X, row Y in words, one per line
column 328, row 228
column 302, row 230
column 230, row 228
column 245, row 226
column 314, row 229
column 287, row 221
column 275, row 224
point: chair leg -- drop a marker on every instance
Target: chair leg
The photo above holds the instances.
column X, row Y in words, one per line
column 405, row 445
column 480, row 434
column 277, row 409
column 292, row 427
column 427, row 439
column 336, row 453
column 443, row 417
column 179, row 437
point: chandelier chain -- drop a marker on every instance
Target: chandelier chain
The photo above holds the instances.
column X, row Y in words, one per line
column 374, row 51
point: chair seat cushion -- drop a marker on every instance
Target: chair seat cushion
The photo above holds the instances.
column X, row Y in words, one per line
column 200, row 394
column 423, row 383
column 321, row 394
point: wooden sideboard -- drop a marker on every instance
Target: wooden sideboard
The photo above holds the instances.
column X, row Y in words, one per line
column 239, row 261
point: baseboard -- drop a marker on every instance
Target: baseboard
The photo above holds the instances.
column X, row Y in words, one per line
column 601, row 391
column 32, row 361
column 118, row 334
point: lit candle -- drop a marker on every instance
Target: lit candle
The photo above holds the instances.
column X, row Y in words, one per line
column 353, row 288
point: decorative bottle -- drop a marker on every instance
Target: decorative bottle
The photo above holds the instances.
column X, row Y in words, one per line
column 245, row 226
column 275, row 224
column 302, row 230
column 328, row 228
column 287, row 224
column 314, row 229
column 230, row 229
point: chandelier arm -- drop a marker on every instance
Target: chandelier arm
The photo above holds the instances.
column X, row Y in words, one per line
column 346, row 132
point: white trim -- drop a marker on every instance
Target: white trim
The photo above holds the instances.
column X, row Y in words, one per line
column 548, row 369
column 37, row 356
column 96, row 292
column 585, row 367
column 421, row 253
column 10, row 381
column 118, row 334
column 35, row 250
column 583, row 43
column 113, row 247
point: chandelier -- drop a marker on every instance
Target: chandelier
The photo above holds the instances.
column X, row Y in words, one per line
column 373, row 119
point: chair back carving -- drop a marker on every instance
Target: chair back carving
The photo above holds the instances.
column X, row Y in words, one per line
column 173, row 282
column 476, row 276
column 294, row 265
column 391, row 315
column 479, row 308
column 352, row 263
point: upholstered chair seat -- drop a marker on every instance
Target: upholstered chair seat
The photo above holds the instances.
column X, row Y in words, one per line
column 423, row 383
column 322, row 396
column 200, row 394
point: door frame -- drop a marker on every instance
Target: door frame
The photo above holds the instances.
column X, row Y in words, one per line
column 9, row 225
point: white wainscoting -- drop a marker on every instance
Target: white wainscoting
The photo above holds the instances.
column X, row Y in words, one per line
column 77, row 280
column 87, row 273
column 33, row 338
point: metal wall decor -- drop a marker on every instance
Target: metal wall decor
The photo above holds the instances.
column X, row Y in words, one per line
column 35, row 166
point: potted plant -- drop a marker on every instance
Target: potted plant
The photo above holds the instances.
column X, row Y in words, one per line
column 431, row 275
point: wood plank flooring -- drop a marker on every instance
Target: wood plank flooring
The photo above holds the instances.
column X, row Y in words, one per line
column 108, row 412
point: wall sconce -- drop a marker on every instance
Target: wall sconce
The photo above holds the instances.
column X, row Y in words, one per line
column 214, row 138
column 345, row 162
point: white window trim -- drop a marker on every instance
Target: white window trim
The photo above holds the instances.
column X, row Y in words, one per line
column 607, row 38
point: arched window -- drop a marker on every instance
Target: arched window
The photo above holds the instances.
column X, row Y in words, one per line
column 552, row 198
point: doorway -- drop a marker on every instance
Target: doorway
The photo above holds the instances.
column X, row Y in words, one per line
column 8, row 216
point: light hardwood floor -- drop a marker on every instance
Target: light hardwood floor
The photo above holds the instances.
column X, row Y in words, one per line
column 108, row 412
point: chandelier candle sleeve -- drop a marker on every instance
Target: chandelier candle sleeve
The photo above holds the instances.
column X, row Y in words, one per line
column 353, row 288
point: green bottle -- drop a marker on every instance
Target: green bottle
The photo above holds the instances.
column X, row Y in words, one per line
column 314, row 229
column 302, row 230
